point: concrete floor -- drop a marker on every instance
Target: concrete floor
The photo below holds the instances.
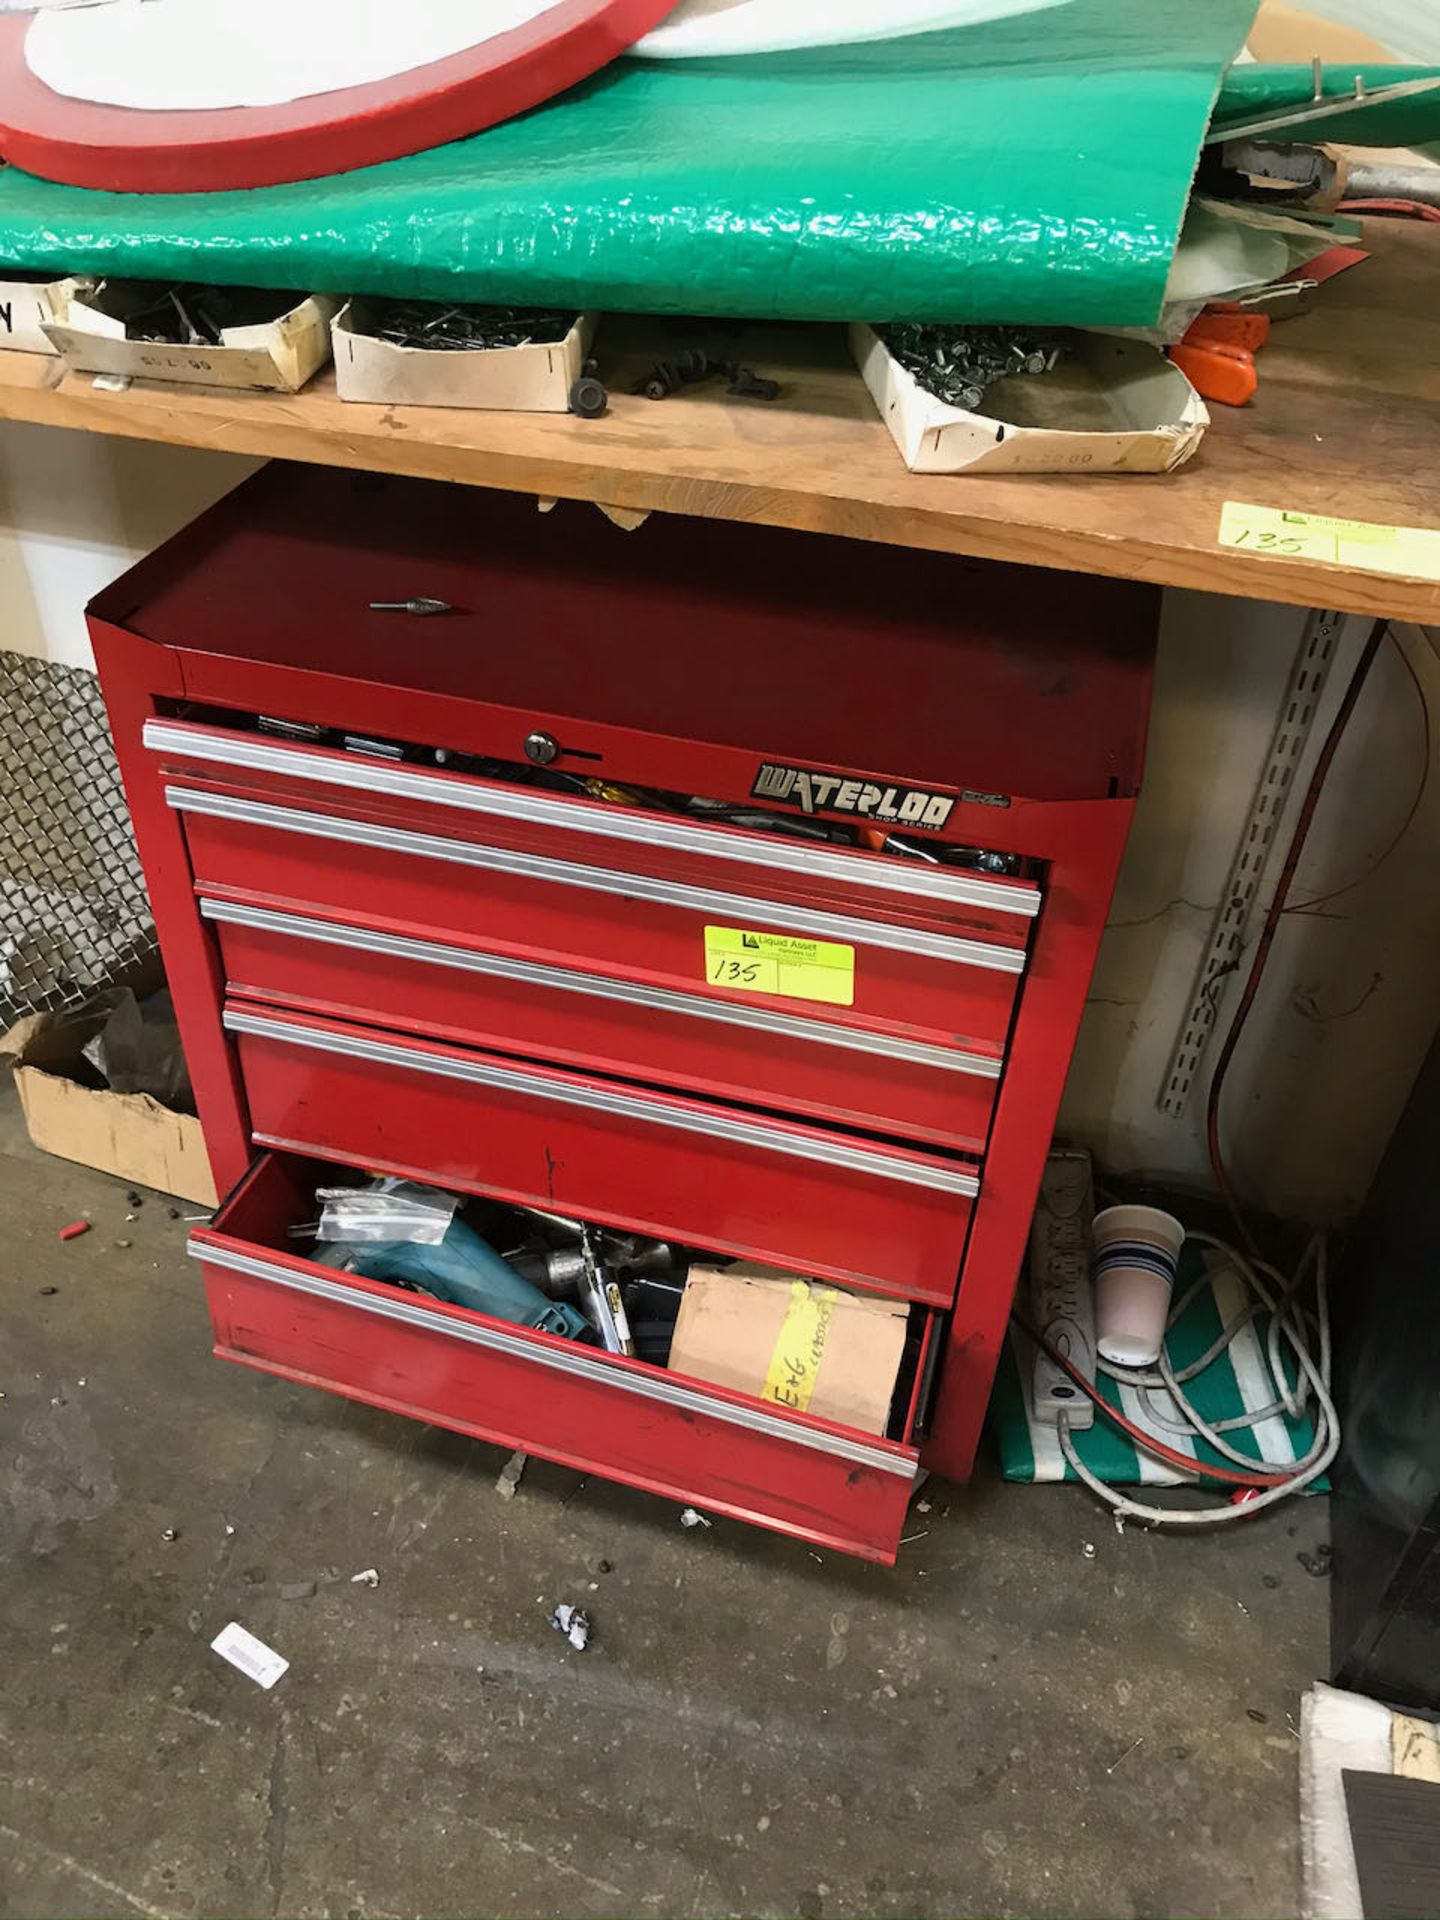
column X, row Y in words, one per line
column 1000, row 1726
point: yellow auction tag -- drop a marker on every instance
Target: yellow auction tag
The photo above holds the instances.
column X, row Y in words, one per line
column 776, row 963
column 1319, row 536
column 800, row 1345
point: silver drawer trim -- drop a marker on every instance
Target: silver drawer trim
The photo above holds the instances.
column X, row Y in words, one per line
column 630, row 886
column 947, row 885
column 787, row 1026
column 710, row 1124
column 573, row 1361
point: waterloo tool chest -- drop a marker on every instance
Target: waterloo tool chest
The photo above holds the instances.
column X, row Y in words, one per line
column 733, row 888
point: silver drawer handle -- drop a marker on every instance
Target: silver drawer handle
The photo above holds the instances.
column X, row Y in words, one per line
column 718, row 1124
column 600, row 986
column 629, row 886
column 650, row 1385
column 948, row 885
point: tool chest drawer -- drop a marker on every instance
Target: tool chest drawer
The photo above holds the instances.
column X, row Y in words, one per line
column 582, row 916
column 664, row 842
column 885, row 1079
column 835, row 1205
column 273, row 1309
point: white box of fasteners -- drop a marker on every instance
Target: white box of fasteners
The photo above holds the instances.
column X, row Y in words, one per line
column 27, row 301
column 1108, row 406
column 277, row 355
column 530, row 379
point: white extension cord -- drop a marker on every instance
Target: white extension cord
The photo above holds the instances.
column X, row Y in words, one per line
column 1305, row 1330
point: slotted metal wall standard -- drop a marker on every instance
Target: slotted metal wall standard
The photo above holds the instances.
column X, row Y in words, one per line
column 394, row 944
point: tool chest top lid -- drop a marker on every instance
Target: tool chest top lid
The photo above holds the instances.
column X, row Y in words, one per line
column 841, row 653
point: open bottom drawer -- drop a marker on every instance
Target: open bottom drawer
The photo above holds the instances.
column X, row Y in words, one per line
column 629, row 1421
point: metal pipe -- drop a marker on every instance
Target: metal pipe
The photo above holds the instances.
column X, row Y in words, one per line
column 1382, row 180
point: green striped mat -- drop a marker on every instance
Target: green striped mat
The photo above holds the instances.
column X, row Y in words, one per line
column 1237, row 1380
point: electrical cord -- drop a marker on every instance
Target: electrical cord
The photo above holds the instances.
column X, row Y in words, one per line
column 1421, row 787
column 1273, row 916
column 1173, row 1456
column 1290, row 1323
column 1304, row 1330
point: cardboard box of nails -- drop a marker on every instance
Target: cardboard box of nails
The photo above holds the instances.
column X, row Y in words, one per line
column 254, row 337
column 423, row 353
column 27, row 301
column 962, row 399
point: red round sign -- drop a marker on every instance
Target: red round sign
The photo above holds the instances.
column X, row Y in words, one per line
column 125, row 150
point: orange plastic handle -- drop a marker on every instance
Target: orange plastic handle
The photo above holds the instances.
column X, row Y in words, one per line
column 1225, row 374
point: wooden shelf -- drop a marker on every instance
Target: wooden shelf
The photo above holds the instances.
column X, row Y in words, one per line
column 1347, row 422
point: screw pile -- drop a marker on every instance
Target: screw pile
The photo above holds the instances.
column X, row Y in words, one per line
column 694, row 364
column 185, row 315
column 432, row 325
column 959, row 364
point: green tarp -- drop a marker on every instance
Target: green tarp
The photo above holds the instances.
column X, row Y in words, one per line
column 1250, row 91
column 1034, row 169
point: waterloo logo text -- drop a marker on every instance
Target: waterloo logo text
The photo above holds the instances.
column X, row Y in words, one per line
column 812, row 792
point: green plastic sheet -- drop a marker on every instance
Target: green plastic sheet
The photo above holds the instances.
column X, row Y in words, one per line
column 1250, row 91
column 1034, row 169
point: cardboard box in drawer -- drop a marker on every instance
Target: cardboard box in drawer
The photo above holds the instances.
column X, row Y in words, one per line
column 814, row 1348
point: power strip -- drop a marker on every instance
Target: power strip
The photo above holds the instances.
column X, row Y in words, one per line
column 1057, row 1283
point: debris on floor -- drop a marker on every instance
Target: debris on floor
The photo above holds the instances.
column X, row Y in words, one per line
column 369, row 1577
column 253, row 1658
column 691, row 1517
column 574, row 1623
column 509, row 1477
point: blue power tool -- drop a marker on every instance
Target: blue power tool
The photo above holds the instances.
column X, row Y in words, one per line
column 463, row 1270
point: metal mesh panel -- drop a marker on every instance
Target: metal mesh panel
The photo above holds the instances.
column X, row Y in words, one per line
column 74, row 916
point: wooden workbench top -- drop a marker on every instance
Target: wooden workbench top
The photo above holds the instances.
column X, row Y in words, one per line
column 1347, row 422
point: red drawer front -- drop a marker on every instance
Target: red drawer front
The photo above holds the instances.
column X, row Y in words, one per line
column 709, row 1175
column 680, row 848
column 570, row 914
column 866, row 1077
column 602, row 1414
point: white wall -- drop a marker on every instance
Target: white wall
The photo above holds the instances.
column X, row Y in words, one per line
column 1351, row 999
column 76, row 509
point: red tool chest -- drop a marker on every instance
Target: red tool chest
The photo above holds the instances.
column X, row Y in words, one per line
column 735, row 887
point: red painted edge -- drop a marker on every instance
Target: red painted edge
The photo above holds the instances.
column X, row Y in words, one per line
column 126, row 150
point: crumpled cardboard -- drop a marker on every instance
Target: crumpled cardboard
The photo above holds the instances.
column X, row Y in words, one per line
column 128, row 1134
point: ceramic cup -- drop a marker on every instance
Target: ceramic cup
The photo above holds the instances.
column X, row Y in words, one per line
column 1136, row 1250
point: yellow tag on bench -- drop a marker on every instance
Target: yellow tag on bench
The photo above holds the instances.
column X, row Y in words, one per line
column 777, row 963
column 1320, row 536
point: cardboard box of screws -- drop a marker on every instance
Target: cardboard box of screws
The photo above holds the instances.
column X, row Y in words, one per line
column 424, row 353
column 958, row 399
column 268, row 338
column 27, row 301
